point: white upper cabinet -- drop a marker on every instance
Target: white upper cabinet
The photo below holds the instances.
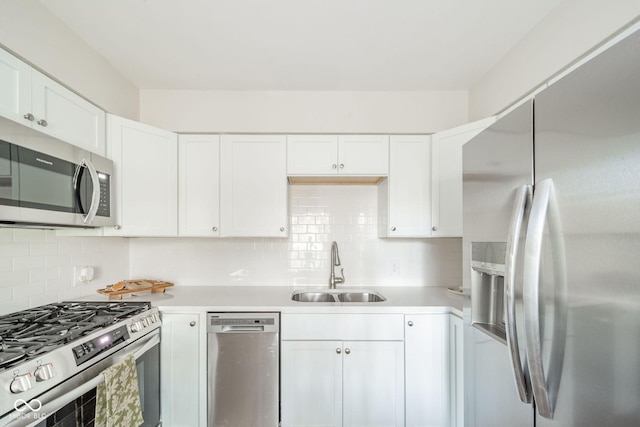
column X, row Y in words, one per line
column 253, row 186
column 312, row 154
column 446, row 177
column 363, row 154
column 15, row 87
column 404, row 202
column 145, row 177
column 199, row 185
column 351, row 155
column 64, row 115
column 33, row 99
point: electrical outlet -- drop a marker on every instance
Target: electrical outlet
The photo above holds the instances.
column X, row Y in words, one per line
column 82, row 275
column 395, row 267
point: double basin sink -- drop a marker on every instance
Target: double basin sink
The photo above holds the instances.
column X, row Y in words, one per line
column 336, row 295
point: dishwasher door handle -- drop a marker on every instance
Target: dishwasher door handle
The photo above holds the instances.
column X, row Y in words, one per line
column 242, row 328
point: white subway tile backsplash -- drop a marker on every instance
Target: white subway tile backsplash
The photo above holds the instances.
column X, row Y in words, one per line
column 319, row 214
column 36, row 266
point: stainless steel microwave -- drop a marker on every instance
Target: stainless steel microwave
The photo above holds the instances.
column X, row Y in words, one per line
column 48, row 183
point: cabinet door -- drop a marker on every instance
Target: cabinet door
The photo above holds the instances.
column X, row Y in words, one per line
column 253, row 186
column 311, row 389
column 145, row 177
column 446, row 169
column 312, row 154
column 199, row 185
column 427, row 370
column 456, row 374
column 15, row 87
column 63, row 114
column 407, row 191
column 181, row 370
column 373, row 383
column 363, row 154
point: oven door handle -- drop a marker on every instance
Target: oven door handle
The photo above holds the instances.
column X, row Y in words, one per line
column 138, row 349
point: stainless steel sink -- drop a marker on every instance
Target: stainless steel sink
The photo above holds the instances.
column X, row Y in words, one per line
column 304, row 296
column 360, row 297
column 336, row 295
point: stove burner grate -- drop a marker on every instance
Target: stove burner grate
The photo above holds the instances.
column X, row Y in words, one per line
column 35, row 331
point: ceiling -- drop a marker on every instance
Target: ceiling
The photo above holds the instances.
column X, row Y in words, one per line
column 373, row 45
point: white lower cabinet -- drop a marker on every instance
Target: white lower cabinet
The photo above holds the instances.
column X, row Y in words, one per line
column 427, row 370
column 456, row 374
column 373, row 383
column 182, row 382
column 311, row 388
column 327, row 381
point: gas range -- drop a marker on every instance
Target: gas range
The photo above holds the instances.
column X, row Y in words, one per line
column 44, row 346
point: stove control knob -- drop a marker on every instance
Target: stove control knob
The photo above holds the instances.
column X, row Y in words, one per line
column 136, row 326
column 21, row 383
column 147, row 321
column 154, row 318
column 44, row 372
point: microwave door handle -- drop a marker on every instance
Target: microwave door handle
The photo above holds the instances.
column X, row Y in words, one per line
column 95, row 196
column 522, row 199
column 544, row 210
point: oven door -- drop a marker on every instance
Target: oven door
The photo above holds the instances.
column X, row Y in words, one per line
column 73, row 401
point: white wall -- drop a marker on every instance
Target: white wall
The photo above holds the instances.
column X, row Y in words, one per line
column 319, row 214
column 33, row 33
column 570, row 31
column 36, row 266
column 303, row 111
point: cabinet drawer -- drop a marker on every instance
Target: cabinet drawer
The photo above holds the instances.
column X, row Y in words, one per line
column 342, row 326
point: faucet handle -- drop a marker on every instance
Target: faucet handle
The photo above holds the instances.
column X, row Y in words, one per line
column 340, row 279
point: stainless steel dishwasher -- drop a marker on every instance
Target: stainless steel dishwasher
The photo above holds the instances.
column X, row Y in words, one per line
column 243, row 369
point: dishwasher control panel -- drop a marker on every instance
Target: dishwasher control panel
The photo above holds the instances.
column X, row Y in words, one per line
column 243, row 322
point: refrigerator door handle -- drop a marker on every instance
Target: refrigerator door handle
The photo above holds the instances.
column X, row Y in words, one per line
column 544, row 210
column 522, row 199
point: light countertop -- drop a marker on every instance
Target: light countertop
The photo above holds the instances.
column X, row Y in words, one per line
column 399, row 299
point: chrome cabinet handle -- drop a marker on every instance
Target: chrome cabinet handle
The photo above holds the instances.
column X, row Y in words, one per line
column 521, row 201
column 393, row 228
column 29, row 117
column 410, row 323
column 43, row 123
column 338, row 350
column 347, row 351
column 117, row 227
column 192, row 323
column 281, row 228
column 434, row 228
column 334, row 166
column 544, row 210
column 341, row 165
column 215, row 228
column 95, row 196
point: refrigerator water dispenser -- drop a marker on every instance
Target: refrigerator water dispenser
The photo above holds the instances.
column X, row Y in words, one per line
column 487, row 288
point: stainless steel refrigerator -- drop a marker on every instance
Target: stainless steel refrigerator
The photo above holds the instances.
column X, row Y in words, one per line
column 551, row 254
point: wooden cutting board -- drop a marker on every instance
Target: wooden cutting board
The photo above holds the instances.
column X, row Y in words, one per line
column 116, row 290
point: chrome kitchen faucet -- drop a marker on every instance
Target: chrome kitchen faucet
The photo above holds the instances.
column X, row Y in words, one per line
column 335, row 262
